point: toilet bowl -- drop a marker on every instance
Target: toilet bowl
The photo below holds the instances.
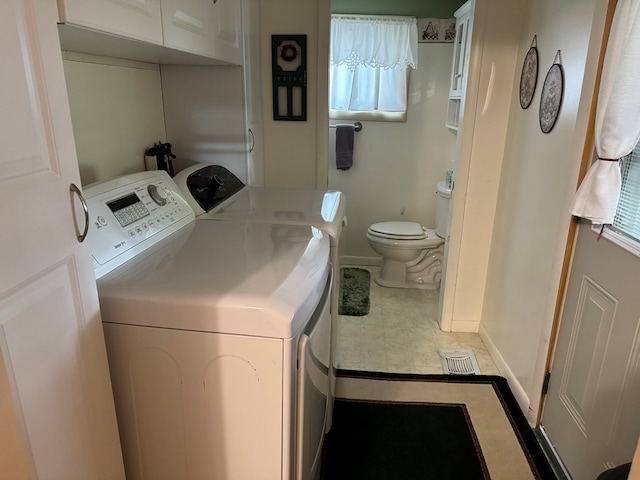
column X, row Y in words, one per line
column 412, row 254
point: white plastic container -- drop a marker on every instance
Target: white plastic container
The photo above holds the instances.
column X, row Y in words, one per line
column 442, row 208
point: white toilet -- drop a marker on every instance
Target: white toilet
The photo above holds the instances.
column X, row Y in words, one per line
column 412, row 254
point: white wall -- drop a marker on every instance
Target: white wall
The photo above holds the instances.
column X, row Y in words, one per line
column 116, row 109
column 539, row 176
column 398, row 165
column 117, row 105
column 295, row 153
column 481, row 139
column 204, row 118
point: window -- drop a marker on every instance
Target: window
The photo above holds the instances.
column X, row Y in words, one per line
column 627, row 218
column 369, row 66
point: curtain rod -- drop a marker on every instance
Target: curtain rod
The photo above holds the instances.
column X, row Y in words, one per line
column 357, row 126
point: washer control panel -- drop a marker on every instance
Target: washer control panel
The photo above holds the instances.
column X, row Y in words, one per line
column 131, row 213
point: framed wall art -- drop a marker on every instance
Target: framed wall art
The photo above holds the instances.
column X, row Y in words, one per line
column 551, row 95
column 529, row 75
column 289, row 72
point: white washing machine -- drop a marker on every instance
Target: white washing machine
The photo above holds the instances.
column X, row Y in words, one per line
column 218, row 336
column 215, row 193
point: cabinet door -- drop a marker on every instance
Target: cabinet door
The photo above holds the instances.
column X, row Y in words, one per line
column 137, row 19
column 460, row 55
column 55, row 392
column 252, row 77
column 460, row 64
column 188, row 25
column 227, row 31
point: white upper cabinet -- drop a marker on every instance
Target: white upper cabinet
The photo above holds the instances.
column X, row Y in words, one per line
column 137, row 19
column 461, row 47
column 460, row 63
column 157, row 31
column 188, row 25
column 227, row 30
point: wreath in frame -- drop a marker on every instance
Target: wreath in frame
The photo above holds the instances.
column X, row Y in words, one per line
column 288, row 52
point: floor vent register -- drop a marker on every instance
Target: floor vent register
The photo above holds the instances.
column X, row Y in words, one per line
column 459, row 362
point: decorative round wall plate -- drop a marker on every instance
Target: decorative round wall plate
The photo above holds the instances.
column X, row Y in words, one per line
column 551, row 96
column 529, row 76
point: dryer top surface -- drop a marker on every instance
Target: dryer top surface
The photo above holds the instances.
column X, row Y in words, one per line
column 234, row 277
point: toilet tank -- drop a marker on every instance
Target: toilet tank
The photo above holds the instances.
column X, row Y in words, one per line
column 442, row 208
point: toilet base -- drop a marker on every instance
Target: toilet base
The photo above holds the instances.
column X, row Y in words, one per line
column 424, row 286
column 423, row 273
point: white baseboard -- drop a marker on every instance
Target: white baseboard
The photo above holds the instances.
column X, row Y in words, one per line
column 352, row 260
column 516, row 388
column 465, row 326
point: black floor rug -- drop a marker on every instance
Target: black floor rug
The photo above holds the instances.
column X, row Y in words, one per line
column 442, row 427
column 375, row 441
column 354, row 291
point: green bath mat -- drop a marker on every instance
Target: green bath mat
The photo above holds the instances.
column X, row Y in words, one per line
column 354, row 292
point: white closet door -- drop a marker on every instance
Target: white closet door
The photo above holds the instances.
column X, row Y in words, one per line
column 54, row 386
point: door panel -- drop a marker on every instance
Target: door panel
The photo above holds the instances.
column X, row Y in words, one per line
column 188, row 25
column 587, row 347
column 55, row 383
column 31, row 146
column 590, row 411
column 227, row 31
column 42, row 351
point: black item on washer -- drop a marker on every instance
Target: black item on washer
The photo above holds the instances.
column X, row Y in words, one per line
column 621, row 472
column 164, row 156
column 212, row 185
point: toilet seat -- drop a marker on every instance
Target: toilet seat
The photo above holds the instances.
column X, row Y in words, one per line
column 401, row 231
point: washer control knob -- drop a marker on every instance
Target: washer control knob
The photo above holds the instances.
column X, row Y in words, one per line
column 158, row 195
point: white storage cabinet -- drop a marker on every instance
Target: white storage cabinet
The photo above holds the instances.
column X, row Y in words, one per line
column 460, row 64
column 206, row 28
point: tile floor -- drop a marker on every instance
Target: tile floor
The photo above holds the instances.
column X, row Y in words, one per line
column 401, row 334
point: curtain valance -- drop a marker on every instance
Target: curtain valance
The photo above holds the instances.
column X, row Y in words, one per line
column 374, row 40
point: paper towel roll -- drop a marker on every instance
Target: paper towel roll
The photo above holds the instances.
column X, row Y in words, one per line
column 150, row 163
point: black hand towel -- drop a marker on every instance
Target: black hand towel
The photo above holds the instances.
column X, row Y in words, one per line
column 344, row 146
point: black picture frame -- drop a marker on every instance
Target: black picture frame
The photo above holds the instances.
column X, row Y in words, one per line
column 289, row 77
column 529, row 77
column 551, row 97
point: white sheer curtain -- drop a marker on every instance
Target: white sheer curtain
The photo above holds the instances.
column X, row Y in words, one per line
column 617, row 128
column 369, row 59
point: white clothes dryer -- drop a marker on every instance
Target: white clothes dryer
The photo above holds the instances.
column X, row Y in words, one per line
column 218, row 335
column 215, row 193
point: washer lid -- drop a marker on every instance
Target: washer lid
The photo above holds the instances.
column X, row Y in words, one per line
column 325, row 209
column 401, row 230
column 242, row 278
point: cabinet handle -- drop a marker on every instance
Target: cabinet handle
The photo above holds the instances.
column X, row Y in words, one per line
column 214, row 1
column 73, row 188
column 253, row 141
column 458, row 75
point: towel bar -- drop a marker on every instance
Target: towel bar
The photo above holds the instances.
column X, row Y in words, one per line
column 357, row 126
